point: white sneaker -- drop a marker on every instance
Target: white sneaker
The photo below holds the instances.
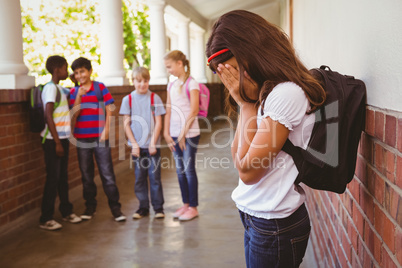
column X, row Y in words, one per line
column 51, row 225
column 120, row 218
column 72, row 218
column 159, row 215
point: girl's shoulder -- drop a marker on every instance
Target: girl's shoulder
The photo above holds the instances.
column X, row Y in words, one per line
column 288, row 92
column 193, row 84
column 286, row 104
column 288, row 88
column 174, row 83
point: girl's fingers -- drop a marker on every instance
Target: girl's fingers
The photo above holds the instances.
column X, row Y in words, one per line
column 233, row 71
column 171, row 147
column 227, row 72
column 228, row 75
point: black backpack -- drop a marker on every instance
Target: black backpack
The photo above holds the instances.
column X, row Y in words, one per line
column 37, row 121
column 329, row 161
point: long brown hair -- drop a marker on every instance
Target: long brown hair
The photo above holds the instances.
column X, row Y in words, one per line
column 264, row 52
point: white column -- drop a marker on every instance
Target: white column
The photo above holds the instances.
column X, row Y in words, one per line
column 198, row 62
column 13, row 71
column 184, row 36
column 158, row 41
column 111, row 38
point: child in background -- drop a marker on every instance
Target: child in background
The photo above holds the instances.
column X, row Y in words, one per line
column 182, row 131
column 56, row 146
column 143, row 110
column 90, row 119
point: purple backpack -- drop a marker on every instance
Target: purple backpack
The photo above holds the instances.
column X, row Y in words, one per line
column 204, row 97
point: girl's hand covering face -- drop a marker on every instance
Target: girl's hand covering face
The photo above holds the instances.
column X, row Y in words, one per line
column 230, row 77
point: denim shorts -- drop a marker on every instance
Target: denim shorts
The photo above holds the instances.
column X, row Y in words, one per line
column 276, row 242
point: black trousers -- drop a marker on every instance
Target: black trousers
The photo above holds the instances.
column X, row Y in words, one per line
column 56, row 181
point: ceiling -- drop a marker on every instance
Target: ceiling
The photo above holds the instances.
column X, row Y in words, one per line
column 205, row 12
column 212, row 9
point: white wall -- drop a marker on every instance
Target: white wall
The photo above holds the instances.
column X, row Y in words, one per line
column 270, row 12
column 359, row 37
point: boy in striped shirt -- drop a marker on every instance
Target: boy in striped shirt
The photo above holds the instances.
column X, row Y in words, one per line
column 90, row 103
column 56, row 146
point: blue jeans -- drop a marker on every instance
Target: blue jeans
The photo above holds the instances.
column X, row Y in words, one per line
column 148, row 165
column 185, row 169
column 86, row 151
column 276, row 242
column 56, row 181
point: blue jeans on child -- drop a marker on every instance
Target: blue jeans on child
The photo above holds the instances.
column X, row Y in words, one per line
column 86, row 149
column 185, row 169
column 56, row 181
column 276, row 242
column 148, row 165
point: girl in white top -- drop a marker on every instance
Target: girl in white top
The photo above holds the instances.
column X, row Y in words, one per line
column 181, row 130
column 276, row 96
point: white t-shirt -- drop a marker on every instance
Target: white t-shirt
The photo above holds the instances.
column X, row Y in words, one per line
column 181, row 108
column 61, row 115
column 276, row 195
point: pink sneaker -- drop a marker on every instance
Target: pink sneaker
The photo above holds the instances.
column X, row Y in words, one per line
column 190, row 214
column 180, row 212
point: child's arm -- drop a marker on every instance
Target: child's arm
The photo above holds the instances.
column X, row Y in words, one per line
column 257, row 147
column 75, row 111
column 105, row 133
column 195, row 107
column 166, row 133
column 155, row 135
column 52, row 128
column 135, row 151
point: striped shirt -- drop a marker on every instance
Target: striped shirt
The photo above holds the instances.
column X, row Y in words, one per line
column 91, row 120
column 61, row 114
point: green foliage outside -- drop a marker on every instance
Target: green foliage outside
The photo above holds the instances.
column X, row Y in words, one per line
column 136, row 32
column 71, row 29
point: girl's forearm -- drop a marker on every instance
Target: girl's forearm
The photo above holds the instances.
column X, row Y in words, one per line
column 189, row 121
column 166, row 123
column 247, row 128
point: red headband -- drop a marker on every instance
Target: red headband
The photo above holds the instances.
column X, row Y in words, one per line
column 217, row 54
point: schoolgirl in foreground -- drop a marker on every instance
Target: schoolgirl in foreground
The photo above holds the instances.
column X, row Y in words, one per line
column 276, row 96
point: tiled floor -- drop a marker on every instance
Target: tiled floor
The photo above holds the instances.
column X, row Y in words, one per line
column 214, row 239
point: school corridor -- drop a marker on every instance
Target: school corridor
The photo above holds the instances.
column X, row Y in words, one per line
column 214, row 239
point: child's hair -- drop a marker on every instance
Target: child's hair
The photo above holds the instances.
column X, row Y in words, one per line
column 81, row 62
column 141, row 72
column 264, row 52
column 177, row 55
column 54, row 62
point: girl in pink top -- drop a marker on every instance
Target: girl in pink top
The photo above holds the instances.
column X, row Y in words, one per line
column 181, row 130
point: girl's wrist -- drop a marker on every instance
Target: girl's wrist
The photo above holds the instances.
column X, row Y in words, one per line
column 247, row 105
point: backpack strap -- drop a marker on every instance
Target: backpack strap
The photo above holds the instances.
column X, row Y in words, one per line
column 170, row 86
column 187, row 86
column 152, row 103
column 99, row 96
column 130, row 99
column 58, row 97
column 296, row 153
column 56, row 104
